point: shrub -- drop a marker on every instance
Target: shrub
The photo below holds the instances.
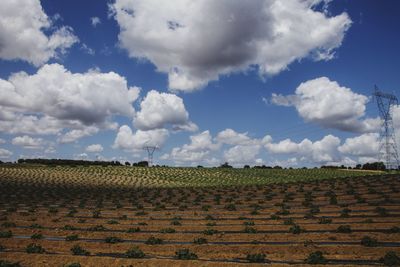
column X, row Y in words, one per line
column 78, row 250
column 344, row 229
column 250, row 230
column 176, row 222
column 69, row 227
column 345, row 213
column 133, row 230
column 185, row 254
column 8, row 224
column 36, row 236
column 369, row 242
column 390, row 259
column 154, row 241
column 295, row 229
column 256, row 257
column 249, row 223
column 112, row 240
column 5, row 234
column 113, row 222
column 33, row 248
column 200, row 241
column 316, row 258
column 74, row 264
column 381, row 211
column 4, row 263
column 167, row 230
column 135, row 252
column 71, row 238
column 97, row 228
column 36, row 226
column 210, row 231
column 324, row 220
column 275, row 217
column 394, row 229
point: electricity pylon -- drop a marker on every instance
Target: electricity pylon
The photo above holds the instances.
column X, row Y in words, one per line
column 150, row 151
column 388, row 146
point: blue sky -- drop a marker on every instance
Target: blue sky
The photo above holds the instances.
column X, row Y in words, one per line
column 267, row 82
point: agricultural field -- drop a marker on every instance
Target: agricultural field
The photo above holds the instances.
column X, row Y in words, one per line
column 132, row 216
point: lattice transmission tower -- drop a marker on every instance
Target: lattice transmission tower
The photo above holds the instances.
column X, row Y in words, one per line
column 150, row 151
column 388, row 146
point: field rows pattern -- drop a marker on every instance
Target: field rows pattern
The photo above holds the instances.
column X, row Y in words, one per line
column 107, row 211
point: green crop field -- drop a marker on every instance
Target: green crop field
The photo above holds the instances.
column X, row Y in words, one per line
column 166, row 176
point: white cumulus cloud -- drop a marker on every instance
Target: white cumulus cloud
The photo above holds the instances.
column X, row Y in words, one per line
column 195, row 42
column 196, row 151
column 94, row 148
column 5, row 154
column 28, row 142
column 366, row 145
column 158, row 110
column 242, row 154
column 330, row 105
column 23, row 33
column 57, row 99
column 135, row 141
column 321, row 151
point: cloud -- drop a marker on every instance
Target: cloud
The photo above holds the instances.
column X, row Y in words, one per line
column 95, row 148
column 322, row 151
column 82, row 156
column 28, row 142
column 242, row 154
column 157, row 110
column 58, row 99
column 129, row 141
column 2, row 141
column 330, row 105
column 366, row 145
column 5, row 154
column 76, row 134
column 24, row 34
column 85, row 48
column 196, row 151
column 230, row 137
column 95, row 21
column 195, row 42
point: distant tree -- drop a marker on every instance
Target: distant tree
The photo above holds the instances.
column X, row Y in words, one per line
column 127, row 163
column 225, row 165
column 141, row 164
column 358, row 166
column 199, row 166
column 374, row 166
column 277, row 167
column 68, row 162
column 246, row 167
